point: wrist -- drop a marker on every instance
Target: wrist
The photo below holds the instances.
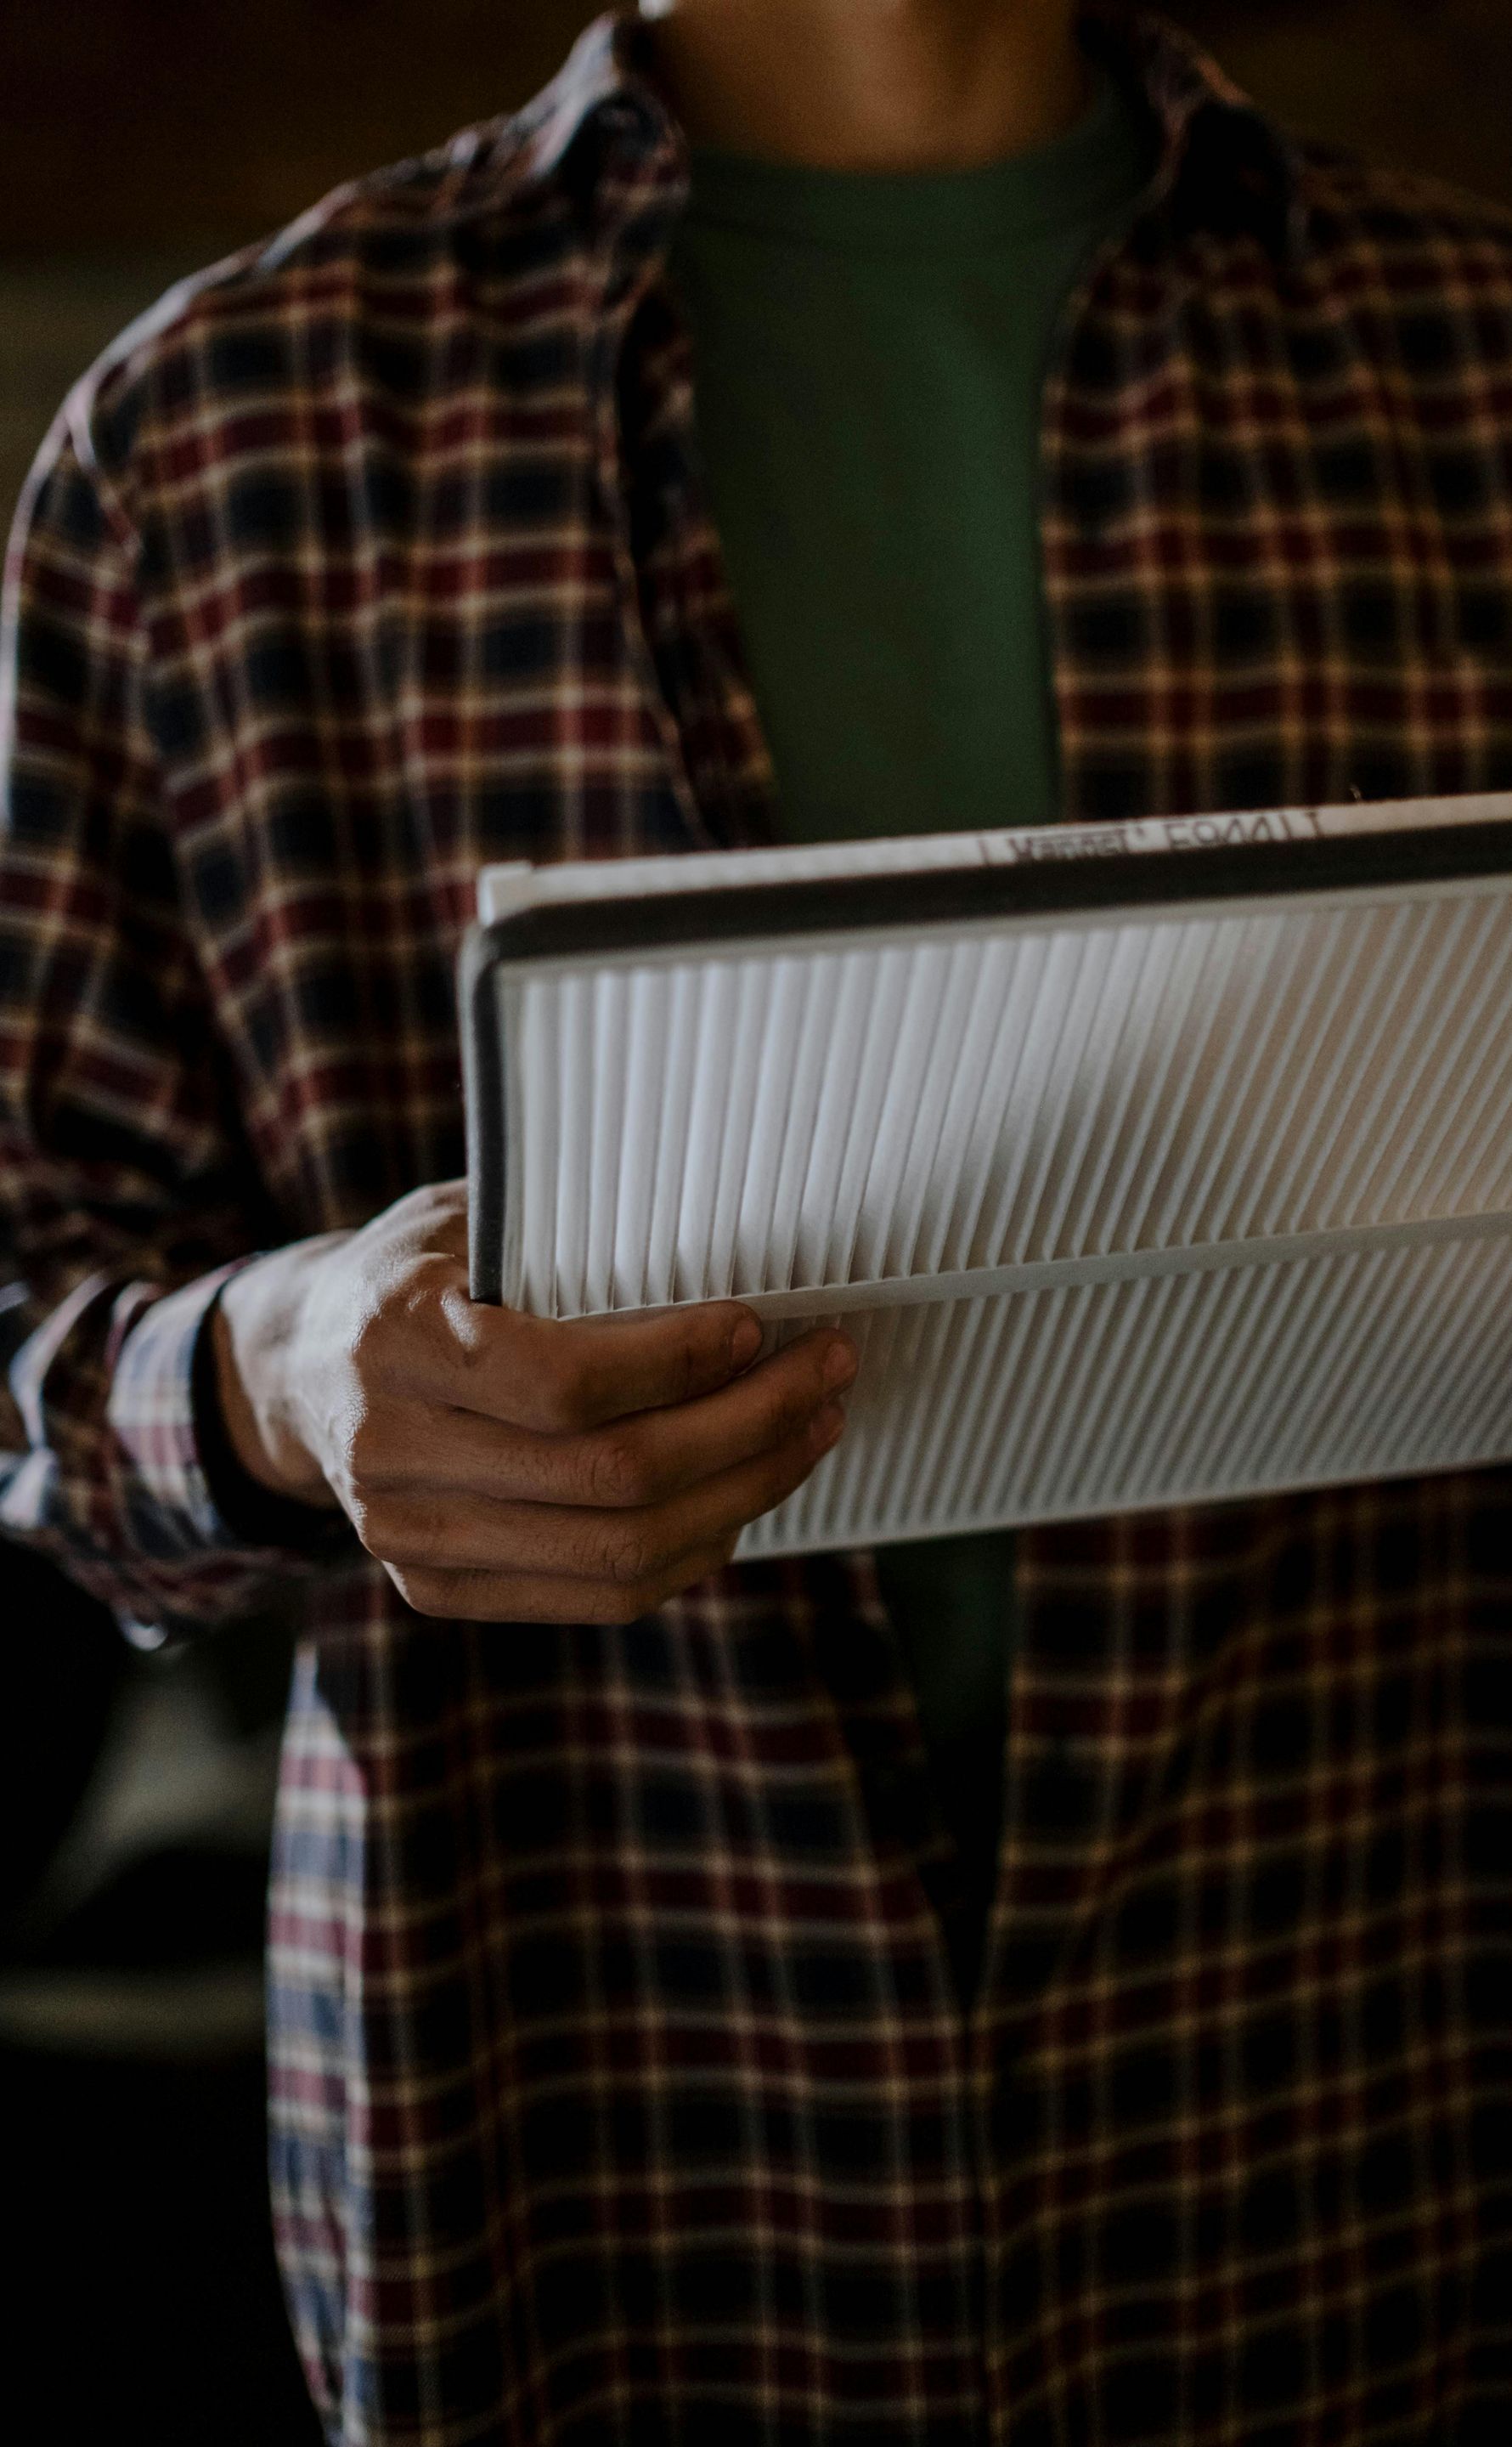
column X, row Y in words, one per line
column 259, row 1338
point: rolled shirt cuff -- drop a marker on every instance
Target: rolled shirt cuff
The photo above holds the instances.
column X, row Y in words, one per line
column 189, row 1492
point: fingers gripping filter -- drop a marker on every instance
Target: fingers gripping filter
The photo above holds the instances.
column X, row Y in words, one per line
column 1147, row 1164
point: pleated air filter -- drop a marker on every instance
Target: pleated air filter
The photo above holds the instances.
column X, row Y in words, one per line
column 1146, row 1163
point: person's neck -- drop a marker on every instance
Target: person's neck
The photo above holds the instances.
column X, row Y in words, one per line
column 872, row 85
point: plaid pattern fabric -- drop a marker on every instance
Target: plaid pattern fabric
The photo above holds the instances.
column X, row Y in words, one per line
column 619, row 2091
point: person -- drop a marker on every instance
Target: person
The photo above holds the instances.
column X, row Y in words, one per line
column 808, row 417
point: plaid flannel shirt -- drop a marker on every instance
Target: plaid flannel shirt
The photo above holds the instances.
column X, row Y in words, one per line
column 619, row 2089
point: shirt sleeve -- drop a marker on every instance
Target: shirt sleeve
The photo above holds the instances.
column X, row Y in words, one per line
column 127, row 1189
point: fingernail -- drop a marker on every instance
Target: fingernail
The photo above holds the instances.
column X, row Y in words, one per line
column 840, row 1366
column 825, row 1427
column 745, row 1343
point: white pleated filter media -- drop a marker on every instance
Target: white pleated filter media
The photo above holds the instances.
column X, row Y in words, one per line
column 1123, row 1207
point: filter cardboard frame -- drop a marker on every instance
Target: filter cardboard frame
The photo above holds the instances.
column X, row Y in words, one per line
column 639, row 916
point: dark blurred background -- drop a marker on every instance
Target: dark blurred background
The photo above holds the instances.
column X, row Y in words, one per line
column 139, row 139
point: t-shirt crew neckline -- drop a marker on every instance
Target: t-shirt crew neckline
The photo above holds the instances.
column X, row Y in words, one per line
column 1081, row 176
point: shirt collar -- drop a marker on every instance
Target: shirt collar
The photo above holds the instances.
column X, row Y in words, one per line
column 1223, row 164
column 604, row 82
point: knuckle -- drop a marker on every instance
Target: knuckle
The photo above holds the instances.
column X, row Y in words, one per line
column 407, row 1316
column 369, row 1341
column 425, row 1309
column 615, row 1471
column 418, row 1292
column 630, row 1553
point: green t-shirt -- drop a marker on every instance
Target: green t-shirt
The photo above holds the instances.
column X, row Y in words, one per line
column 869, row 355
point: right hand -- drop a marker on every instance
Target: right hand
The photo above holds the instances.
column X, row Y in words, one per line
column 506, row 1467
